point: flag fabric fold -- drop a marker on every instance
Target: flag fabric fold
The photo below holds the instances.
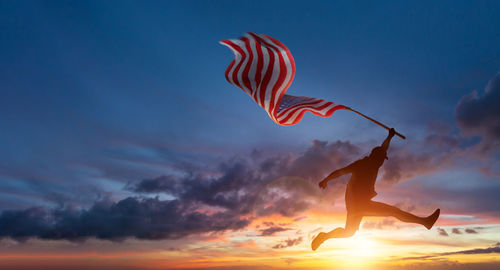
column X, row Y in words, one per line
column 264, row 68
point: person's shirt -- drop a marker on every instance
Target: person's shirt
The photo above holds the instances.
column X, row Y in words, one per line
column 362, row 182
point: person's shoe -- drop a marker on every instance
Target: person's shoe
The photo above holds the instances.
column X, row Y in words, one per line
column 430, row 220
column 320, row 238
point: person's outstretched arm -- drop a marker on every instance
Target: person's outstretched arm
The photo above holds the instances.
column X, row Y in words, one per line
column 334, row 175
column 387, row 141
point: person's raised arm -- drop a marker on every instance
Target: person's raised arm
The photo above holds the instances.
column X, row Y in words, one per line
column 334, row 175
column 387, row 141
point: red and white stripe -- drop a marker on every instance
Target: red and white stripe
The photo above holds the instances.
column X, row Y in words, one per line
column 264, row 68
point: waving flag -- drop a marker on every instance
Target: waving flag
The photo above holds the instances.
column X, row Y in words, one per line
column 264, row 68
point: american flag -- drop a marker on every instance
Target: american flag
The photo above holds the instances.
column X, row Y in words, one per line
column 264, row 68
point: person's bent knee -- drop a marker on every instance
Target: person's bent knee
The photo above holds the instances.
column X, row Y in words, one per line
column 349, row 232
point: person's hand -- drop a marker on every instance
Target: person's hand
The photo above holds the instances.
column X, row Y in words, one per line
column 392, row 132
column 323, row 183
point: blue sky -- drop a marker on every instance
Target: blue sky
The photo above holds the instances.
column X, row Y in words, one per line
column 97, row 95
column 85, row 82
column 82, row 78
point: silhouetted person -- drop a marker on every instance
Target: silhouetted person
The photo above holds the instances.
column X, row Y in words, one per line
column 359, row 194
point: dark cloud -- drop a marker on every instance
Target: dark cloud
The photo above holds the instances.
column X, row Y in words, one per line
column 148, row 218
column 492, row 249
column 442, row 232
column 281, row 196
column 456, row 231
column 272, row 230
column 404, row 165
column 443, row 264
column 491, row 171
column 300, row 218
column 288, row 243
column 424, row 157
column 438, row 150
column 471, row 231
column 262, row 184
column 441, row 136
column 480, row 115
column 227, row 197
column 489, row 250
column 164, row 184
column 322, row 158
column 474, row 200
column 268, row 223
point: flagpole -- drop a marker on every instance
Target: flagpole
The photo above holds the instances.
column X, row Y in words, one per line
column 375, row 121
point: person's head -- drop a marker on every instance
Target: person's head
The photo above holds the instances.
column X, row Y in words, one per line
column 379, row 155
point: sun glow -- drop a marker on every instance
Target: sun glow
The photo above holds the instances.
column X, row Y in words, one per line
column 363, row 246
column 360, row 250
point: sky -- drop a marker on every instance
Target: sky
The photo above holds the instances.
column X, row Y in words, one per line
column 124, row 147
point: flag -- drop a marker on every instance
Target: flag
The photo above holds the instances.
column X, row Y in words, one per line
column 264, row 68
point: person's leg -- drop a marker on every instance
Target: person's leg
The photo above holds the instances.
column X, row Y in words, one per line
column 382, row 209
column 351, row 226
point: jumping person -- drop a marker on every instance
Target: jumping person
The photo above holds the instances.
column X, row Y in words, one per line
column 359, row 194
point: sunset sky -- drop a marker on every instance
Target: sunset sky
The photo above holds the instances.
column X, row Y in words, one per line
column 122, row 146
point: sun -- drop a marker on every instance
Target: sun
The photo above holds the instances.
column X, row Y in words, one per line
column 360, row 250
column 364, row 246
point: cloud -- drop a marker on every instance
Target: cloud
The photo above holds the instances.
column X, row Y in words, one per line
column 268, row 223
column 288, row 243
column 493, row 249
column 437, row 151
column 489, row 250
column 272, row 230
column 443, row 264
column 262, row 184
column 403, row 165
column 379, row 225
column 442, row 148
column 227, row 197
column 300, row 218
column 480, row 115
column 442, row 232
column 456, row 231
column 165, row 184
column 476, row 201
column 471, row 231
column 322, row 158
column 147, row 218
